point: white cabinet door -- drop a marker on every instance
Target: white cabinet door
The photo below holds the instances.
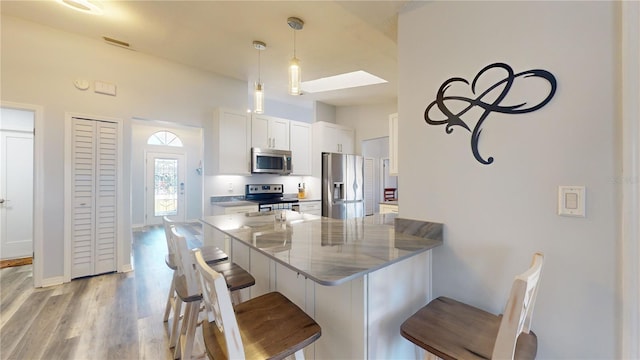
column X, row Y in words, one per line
column 300, row 141
column 269, row 132
column 329, row 137
column 260, row 132
column 388, row 208
column 94, row 208
column 334, row 138
column 345, row 140
column 279, row 132
column 311, row 207
column 393, row 144
column 227, row 143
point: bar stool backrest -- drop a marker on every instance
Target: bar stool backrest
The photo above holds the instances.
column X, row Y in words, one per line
column 519, row 309
column 218, row 304
column 168, row 224
column 185, row 262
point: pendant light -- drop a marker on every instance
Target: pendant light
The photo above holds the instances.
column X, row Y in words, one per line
column 294, row 65
column 258, row 97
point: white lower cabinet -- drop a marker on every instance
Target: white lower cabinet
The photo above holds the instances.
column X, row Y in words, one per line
column 217, row 238
column 356, row 317
column 311, row 207
column 388, row 208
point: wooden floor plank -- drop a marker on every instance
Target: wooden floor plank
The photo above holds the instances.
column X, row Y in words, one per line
column 42, row 328
column 17, row 325
column 111, row 316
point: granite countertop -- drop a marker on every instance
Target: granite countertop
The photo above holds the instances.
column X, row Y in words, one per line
column 330, row 251
column 234, row 203
column 308, row 199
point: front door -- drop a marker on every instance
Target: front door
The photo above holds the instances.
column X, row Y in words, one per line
column 16, row 183
column 165, row 187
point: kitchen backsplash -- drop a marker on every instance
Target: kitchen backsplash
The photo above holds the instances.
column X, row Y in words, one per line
column 232, row 185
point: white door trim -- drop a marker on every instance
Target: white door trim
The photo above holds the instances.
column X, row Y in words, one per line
column 123, row 243
column 630, row 181
column 38, row 186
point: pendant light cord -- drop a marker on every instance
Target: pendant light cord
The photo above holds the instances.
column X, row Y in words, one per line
column 294, row 43
column 259, row 79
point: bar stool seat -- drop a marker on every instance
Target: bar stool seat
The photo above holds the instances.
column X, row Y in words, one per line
column 449, row 329
column 269, row 326
column 212, row 255
column 188, row 290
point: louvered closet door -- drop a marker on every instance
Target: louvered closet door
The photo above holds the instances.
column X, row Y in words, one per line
column 93, row 224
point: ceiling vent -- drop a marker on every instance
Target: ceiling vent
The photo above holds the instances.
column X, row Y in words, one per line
column 116, row 42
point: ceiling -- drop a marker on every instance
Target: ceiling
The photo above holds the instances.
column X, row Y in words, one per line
column 217, row 36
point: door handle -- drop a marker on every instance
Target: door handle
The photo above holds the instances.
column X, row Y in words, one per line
column 3, row 200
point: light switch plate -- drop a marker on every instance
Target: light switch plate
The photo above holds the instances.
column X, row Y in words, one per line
column 571, row 201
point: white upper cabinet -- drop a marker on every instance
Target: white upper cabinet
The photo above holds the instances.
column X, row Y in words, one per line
column 334, row 138
column 269, row 132
column 300, row 141
column 329, row 137
column 227, row 143
column 393, row 144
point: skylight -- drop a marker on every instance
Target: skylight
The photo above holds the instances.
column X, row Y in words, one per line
column 342, row 81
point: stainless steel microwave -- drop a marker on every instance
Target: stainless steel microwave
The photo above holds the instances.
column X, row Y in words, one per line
column 270, row 161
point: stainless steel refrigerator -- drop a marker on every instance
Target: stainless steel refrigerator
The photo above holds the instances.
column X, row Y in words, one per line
column 342, row 186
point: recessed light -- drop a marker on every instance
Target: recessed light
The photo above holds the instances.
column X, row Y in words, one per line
column 342, row 81
column 84, row 6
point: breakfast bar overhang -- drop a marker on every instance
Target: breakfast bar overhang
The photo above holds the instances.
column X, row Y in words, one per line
column 358, row 278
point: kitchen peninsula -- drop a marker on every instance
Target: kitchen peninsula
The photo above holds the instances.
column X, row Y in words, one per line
column 358, row 278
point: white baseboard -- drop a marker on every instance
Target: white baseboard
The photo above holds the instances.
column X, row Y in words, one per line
column 52, row 281
column 127, row 268
column 135, row 227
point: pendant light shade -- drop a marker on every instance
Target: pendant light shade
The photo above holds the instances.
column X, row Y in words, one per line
column 258, row 95
column 295, row 73
column 294, row 77
column 258, row 98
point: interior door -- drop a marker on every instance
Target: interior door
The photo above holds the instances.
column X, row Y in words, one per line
column 16, row 193
column 165, row 190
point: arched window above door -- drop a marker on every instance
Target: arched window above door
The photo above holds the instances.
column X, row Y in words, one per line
column 165, row 138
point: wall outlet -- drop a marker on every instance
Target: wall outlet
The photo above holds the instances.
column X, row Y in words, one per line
column 230, row 188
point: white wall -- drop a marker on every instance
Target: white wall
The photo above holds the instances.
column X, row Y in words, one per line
column 370, row 121
column 38, row 67
column 497, row 215
column 191, row 138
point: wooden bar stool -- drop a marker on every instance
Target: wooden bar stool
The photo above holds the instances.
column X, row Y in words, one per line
column 269, row 326
column 212, row 254
column 449, row 329
column 188, row 290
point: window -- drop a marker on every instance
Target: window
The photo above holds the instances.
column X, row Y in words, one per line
column 165, row 138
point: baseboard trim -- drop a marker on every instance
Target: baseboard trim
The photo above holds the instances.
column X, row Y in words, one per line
column 52, row 281
column 15, row 262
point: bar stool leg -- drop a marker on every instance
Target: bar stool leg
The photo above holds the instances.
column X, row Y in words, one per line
column 188, row 331
column 170, row 300
column 173, row 335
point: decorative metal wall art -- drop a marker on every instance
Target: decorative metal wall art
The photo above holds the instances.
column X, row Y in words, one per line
column 453, row 118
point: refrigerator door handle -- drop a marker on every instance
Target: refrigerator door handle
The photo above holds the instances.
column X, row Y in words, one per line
column 338, row 191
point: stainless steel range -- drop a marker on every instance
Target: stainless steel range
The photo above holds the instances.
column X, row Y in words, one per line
column 269, row 197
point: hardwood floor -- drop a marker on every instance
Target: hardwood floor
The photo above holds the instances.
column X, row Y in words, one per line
column 112, row 316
